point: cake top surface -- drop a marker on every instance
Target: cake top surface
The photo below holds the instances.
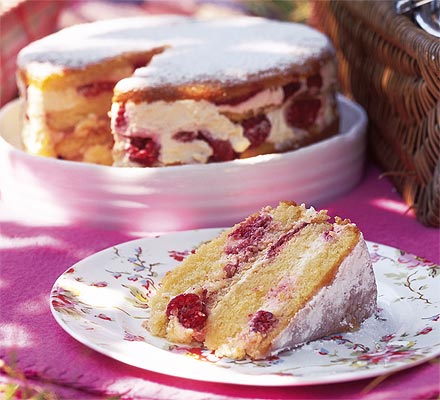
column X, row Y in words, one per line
column 199, row 50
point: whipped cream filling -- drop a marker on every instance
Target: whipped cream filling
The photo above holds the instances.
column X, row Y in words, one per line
column 282, row 134
column 161, row 120
column 35, row 102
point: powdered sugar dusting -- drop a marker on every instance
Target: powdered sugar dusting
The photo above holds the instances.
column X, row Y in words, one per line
column 353, row 291
column 84, row 44
column 196, row 50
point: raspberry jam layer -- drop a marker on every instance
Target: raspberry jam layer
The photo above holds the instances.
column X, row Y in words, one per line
column 246, row 237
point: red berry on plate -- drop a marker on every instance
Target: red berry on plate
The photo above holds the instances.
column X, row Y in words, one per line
column 189, row 309
column 302, row 113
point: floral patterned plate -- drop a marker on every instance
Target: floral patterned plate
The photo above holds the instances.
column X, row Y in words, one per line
column 102, row 301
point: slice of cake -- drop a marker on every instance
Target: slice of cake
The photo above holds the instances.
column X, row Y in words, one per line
column 282, row 277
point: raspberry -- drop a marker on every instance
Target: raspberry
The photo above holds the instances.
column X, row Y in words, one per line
column 247, row 237
column 314, row 81
column 144, row 151
column 302, row 113
column 95, row 88
column 252, row 228
column 222, row 149
column 263, row 322
column 256, row 129
column 185, row 136
column 230, row 270
column 189, row 309
column 290, row 89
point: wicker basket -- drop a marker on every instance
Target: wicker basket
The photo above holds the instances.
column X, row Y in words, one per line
column 392, row 68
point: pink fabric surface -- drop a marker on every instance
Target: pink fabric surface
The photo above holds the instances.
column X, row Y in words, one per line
column 32, row 258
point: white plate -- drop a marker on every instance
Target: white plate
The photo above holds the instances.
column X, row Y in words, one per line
column 102, row 302
column 140, row 200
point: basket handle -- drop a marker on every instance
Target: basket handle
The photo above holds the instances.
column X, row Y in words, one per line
column 426, row 13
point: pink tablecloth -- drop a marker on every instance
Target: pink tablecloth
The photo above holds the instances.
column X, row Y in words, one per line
column 38, row 352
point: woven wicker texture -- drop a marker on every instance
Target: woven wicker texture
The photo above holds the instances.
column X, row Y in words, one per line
column 392, row 68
